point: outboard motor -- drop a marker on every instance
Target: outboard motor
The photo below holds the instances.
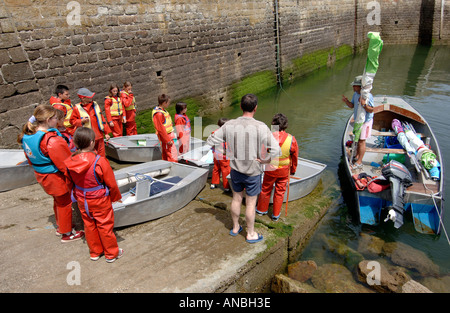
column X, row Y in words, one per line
column 400, row 178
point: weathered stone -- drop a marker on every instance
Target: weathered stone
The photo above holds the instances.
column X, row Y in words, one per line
column 409, row 257
column 16, row 72
column 17, row 54
column 284, row 284
column 335, row 278
column 382, row 281
column 302, row 270
column 370, row 245
column 414, row 287
column 440, row 285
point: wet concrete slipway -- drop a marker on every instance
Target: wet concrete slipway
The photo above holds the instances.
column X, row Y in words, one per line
column 188, row 251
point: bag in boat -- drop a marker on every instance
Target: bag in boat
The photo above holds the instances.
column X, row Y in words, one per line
column 373, row 184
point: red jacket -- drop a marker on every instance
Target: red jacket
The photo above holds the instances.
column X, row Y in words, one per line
column 75, row 120
column 57, row 150
column 80, row 172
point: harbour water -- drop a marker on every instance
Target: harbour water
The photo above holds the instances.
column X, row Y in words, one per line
column 317, row 117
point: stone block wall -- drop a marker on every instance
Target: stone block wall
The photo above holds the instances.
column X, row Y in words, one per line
column 185, row 48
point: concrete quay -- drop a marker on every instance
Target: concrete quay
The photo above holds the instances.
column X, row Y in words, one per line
column 189, row 251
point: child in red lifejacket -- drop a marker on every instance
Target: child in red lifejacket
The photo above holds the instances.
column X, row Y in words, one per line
column 221, row 164
column 88, row 113
column 46, row 151
column 129, row 102
column 62, row 102
column 279, row 169
column 95, row 189
column 115, row 111
column 183, row 127
column 164, row 129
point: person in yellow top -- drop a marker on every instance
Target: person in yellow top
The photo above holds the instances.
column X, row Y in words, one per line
column 129, row 102
column 278, row 171
column 164, row 129
column 62, row 102
column 115, row 111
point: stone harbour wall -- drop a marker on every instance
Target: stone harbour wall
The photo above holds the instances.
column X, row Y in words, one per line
column 186, row 48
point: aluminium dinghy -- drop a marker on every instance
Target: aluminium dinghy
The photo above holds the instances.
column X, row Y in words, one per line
column 15, row 172
column 139, row 148
column 155, row 189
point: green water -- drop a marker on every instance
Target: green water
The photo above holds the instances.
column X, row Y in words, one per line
column 317, row 118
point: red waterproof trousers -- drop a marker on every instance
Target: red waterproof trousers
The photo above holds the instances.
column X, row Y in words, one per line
column 221, row 167
column 270, row 178
column 99, row 229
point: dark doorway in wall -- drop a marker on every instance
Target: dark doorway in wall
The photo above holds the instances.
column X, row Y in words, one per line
column 426, row 22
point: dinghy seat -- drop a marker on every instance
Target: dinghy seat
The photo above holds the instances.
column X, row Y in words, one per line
column 164, row 185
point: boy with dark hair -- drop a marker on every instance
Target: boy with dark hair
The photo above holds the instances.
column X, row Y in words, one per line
column 62, row 102
column 164, row 129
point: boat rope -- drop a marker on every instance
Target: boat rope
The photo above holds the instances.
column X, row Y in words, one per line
column 437, row 211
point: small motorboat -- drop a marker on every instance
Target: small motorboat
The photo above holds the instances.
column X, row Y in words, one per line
column 155, row 189
column 412, row 186
column 15, row 171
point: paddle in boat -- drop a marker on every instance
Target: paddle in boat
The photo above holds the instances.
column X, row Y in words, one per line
column 401, row 170
column 155, row 189
column 15, row 172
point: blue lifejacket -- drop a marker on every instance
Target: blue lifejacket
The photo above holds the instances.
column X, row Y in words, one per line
column 31, row 146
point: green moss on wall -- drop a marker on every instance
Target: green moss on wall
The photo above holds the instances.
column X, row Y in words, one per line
column 315, row 60
column 256, row 84
column 144, row 121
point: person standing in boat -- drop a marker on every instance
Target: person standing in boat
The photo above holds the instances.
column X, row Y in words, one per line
column 183, row 127
column 115, row 111
column 129, row 102
column 46, row 151
column 164, row 129
column 88, row 113
column 95, row 189
column 245, row 138
column 278, row 171
column 362, row 133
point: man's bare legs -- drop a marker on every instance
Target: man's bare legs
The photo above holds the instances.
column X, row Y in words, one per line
column 250, row 206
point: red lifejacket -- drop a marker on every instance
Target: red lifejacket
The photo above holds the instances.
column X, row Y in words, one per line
column 88, row 186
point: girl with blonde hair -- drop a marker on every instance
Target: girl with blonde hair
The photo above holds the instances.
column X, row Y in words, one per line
column 46, row 151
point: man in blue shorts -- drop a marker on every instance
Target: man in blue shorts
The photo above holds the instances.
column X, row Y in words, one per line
column 248, row 141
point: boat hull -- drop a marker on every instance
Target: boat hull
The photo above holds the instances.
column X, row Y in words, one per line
column 138, row 148
column 199, row 157
column 303, row 182
column 193, row 180
column 423, row 199
column 12, row 174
